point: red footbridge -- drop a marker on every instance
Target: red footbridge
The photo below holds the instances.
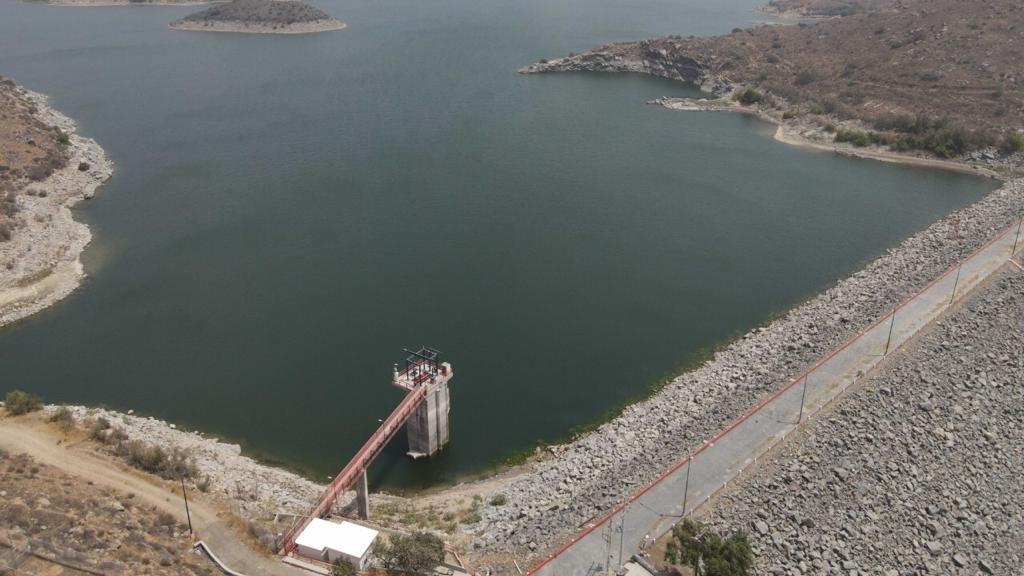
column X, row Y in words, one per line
column 422, row 369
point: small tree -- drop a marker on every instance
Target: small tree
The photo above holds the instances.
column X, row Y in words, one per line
column 420, row 552
column 343, row 567
column 704, row 550
column 18, row 402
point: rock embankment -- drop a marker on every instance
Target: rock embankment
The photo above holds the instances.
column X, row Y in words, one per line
column 260, row 17
column 39, row 264
column 589, row 476
column 918, row 472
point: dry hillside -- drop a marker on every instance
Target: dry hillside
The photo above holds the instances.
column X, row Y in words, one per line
column 945, row 76
column 55, row 524
column 29, row 151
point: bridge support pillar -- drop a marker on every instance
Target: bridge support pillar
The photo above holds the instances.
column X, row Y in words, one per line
column 362, row 497
column 427, row 428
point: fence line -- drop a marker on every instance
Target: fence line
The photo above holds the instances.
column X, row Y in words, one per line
column 903, row 326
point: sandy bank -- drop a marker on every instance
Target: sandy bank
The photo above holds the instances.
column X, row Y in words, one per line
column 41, row 263
column 252, row 28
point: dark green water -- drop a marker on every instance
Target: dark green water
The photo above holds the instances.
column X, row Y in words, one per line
column 289, row 212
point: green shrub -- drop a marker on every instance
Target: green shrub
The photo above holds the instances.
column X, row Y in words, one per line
column 342, row 567
column 19, row 402
column 499, row 500
column 805, row 77
column 856, row 137
column 62, row 137
column 788, row 115
column 704, row 550
column 420, row 552
column 749, row 96
column 1012, row 142
column 63, row 418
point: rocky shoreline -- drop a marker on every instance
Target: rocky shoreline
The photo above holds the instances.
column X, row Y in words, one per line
column 42, row 259
column 551, row 497
column 589, row 476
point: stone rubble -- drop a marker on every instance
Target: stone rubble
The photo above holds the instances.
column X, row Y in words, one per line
column 932, row 453
column 589, row 476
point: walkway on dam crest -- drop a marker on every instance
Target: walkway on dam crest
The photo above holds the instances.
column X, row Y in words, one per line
column 605, row 546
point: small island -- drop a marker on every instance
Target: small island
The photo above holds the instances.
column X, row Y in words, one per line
column 105, row 3
column 260, row 17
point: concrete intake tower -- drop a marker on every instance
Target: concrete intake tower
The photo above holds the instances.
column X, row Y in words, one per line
column 427, row 426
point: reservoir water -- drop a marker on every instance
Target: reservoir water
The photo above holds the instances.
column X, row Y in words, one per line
column 289, row 212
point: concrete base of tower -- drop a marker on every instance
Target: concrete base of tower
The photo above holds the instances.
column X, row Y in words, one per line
column 427, row 428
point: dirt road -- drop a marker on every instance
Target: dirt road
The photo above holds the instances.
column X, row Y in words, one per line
column 30, row 435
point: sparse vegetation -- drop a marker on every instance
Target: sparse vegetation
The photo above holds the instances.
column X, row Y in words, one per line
column 940, row 60
column 1012, row 142
column 499, row 500
column 19, row 402
column 74, row 521
column 171, row 464
column 264, row 12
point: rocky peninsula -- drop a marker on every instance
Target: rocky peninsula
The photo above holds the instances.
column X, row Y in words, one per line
column 260, row 17
column 45, row 169
column 898, row 80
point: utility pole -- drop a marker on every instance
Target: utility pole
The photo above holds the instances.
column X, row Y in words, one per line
column 1016, row 238
column 188, row 514
column 803, row 395
column 622, row 530
column 686, row 486
column 888, row 341
column 956, row 283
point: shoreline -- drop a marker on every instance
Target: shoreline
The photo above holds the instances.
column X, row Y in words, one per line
column 247, row 28
column 563, row 485
column 794, row 134
column 46, row 251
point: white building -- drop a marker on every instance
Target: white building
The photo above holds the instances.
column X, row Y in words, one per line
column 329, row 541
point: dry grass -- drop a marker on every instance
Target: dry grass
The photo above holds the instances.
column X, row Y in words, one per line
column 960, row 65
column 29, row 151
column 74, row 527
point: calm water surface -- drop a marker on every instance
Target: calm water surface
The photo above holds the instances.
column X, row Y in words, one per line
column 289, row 212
